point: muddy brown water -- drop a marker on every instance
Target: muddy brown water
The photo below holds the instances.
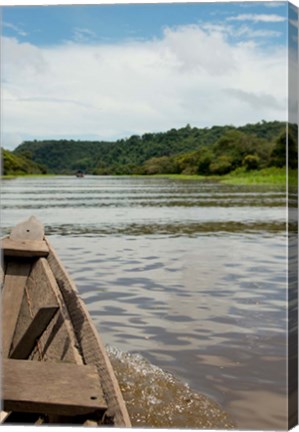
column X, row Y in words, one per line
column 186, row 281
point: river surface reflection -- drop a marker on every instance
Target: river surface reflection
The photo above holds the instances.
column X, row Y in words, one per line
column 187, row 275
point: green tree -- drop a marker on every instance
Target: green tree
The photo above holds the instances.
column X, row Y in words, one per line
column 204, row 161
column 162, row 165
column 221, row 165
column 251, row 162
column 279, row 153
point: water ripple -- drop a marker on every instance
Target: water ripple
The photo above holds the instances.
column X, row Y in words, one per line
column 190, row 276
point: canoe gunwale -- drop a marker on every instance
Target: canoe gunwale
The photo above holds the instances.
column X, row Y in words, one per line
column 89, row 341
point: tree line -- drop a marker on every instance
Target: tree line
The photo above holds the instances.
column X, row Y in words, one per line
column 208, row 151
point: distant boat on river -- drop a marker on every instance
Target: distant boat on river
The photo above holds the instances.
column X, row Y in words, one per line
column 79, row 173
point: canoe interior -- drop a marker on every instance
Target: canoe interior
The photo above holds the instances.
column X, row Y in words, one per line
column 48, row 337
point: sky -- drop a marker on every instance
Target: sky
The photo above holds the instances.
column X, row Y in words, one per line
column 108, row 71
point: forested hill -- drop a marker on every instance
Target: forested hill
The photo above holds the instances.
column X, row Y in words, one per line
column 177, row 150
column 18, row 165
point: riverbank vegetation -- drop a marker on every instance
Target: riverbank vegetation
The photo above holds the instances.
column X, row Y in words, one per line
column 16, row 165
column 266, row 176
column 231, row 153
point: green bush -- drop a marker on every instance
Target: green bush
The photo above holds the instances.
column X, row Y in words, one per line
column 221, row 165
column 251, row 162
column 161, row 165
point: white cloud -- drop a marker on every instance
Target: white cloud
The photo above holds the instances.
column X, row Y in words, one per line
column 265, row 3
column 266, row 18
column 191, row 75
column 15, row 28
column 21, row 60
column 262, row 33
column 274, row 4
column 242, row 30
column 189, row 45
column 82, row 35
column 263, row 100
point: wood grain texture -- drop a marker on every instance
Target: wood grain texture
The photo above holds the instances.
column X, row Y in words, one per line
column 24, row 248
column 33, row 332
column 31, row 229
column 49, row 277
column 49, row 387
column 57, row 342
column 12, row 295
column 91, row 345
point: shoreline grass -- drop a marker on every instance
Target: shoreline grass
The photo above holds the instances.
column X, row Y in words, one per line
column 14, row 176
column 8, row 177
column 266, row 176
column 177, row 176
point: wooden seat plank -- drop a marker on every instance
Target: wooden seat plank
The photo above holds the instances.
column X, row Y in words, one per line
column 33, row 332
column 12, row 295
column 52, row 388
column 24, row 248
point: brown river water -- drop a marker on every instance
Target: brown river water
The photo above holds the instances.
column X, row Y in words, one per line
column 186, row 282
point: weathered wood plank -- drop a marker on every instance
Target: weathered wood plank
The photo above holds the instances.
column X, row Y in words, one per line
column 91, row 345
column 31, row 229
column 36, row 328
column 24, row 248
column 1, row 273
column 48, row 387
column 57, row 342
column 49, row 278
column 12, row 295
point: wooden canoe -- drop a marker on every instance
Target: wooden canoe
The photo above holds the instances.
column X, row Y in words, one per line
column 55, row 369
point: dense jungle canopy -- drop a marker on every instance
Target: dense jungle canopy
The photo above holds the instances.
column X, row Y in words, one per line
column 189, row 150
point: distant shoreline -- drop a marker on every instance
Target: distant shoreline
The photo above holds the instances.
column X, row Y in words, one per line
column 266, row 176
